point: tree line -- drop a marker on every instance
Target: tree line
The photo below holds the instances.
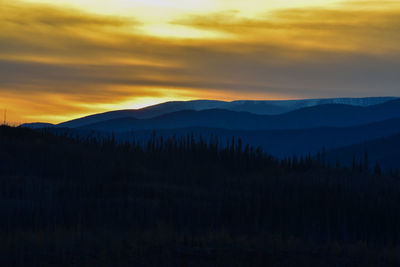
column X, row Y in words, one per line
column 184, row 201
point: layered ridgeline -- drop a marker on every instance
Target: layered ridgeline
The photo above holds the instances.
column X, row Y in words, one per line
column 310, row 126
column 253, row 107
column 330, row 115
column 383, row 151
column 279, row 143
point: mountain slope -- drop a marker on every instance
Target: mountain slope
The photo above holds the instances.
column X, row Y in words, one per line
column 37, row 125
column 385, row 151
column 276, row 142
column 283, row 142
column 269, row 107
column 335, row 115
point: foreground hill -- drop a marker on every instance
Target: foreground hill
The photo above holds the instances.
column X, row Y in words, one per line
column 334, row 115
column 251, row 106
column 178, row 202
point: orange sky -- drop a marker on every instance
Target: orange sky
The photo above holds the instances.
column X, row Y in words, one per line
column 63, row 59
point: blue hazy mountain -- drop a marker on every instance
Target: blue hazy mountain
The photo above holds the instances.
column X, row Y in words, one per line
column 385, row 151
column 37, row 125
column 276, row 142
column 256, row 107
column 329, row 115
column 284, row 142
column 302, row 131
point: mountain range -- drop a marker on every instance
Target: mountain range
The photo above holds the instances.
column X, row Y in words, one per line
column 385, row 151
column 329, row 115
column 267, row 107
column 281, row 128
column 241, row 115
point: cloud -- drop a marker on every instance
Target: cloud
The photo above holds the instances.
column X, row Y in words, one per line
column 340, row 28
column 36, row 15
column 61, row 63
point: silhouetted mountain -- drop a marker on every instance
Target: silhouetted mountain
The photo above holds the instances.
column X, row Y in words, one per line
column 385, row 151
column 37, row 125
column 305, row 136
column 256, row 107
column 283, row 106
column 282, row 142
column 332, row 115
column 279, row 143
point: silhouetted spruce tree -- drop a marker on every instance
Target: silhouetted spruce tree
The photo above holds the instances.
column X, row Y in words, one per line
column 323, row 156
column 366, row 162
column 377, row 169
column 354, row 163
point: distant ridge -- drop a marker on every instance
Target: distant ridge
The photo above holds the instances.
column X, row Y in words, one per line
column 307, row 127
column 259, row 107
column 329, row 115
column 284, row 142
column 37, row 125
column 279, row 143
column 385, row 151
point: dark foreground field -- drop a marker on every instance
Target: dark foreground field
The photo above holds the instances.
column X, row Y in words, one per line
column 91, row 202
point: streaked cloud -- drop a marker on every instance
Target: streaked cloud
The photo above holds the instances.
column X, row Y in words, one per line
column 58, row 63
column 337, row 28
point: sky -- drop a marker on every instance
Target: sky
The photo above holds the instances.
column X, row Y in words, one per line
column 63, row 59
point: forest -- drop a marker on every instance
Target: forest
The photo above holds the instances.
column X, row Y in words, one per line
column 186, row 201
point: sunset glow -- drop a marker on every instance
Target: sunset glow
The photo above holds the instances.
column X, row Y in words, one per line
column 61, row 59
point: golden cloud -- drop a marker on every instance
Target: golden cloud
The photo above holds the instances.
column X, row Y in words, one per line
column 60, row 63
column 343, row 28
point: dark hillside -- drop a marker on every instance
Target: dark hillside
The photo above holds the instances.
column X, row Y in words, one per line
column 180, row 202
